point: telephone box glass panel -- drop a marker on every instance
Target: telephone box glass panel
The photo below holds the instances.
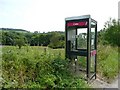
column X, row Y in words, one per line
column 71, row 37
column 81, row 38
column 92, row 38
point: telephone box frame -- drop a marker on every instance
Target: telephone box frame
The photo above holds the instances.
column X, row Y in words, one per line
column 69, row 23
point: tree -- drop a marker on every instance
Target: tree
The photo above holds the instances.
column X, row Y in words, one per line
column 56, row 41
column 20, row 42
column 110, row 34
column 44, row 39
column 28, row 36
column 7, row 38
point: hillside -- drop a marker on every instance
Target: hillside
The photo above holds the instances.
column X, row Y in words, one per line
column 13, row 30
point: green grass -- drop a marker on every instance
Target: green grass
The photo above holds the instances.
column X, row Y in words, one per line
column 37, row 67
column 107, row 62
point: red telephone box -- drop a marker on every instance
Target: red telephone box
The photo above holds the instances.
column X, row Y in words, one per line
column 81, row 43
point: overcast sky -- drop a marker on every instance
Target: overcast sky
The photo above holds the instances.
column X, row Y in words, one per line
column 49, row 15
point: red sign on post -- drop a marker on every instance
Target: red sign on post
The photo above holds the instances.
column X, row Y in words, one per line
column 83, row 23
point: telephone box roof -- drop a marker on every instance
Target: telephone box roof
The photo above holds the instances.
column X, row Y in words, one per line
column 78, row 17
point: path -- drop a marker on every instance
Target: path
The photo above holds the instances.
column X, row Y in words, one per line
column 101, row 84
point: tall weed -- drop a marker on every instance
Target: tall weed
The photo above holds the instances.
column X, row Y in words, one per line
column 107, row 66
column 33, row 67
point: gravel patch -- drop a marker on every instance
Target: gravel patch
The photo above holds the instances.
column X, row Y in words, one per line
column 101, row 84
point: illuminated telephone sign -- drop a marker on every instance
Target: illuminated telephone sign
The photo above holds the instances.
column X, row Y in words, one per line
column 82, row 24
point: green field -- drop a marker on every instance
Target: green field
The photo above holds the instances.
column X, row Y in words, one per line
column 43, row 67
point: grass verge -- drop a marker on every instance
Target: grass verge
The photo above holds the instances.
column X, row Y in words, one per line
column 107, row 66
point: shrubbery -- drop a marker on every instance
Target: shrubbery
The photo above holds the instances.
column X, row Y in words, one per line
column 107, row 55
column 36, row 69
column 110, row 34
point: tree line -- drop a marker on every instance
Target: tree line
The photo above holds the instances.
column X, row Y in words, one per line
column 51, row 39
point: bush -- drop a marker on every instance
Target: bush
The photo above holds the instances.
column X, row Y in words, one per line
column 60, row 44
column 110, row 34
column 56, row 41
column 107, row 62
column 36, row 69
column 20, row 42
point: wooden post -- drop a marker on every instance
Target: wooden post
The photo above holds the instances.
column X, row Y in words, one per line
column 45, row 50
